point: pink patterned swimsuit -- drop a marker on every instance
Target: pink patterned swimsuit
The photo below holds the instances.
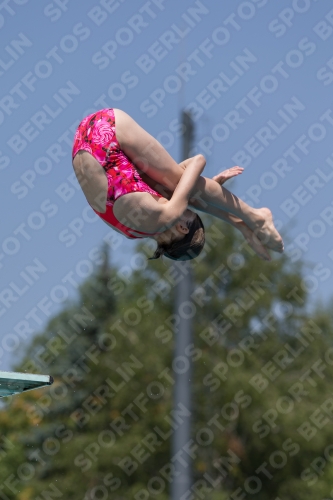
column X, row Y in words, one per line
column 96, row 134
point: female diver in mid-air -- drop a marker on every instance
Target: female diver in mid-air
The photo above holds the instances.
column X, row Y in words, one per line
column 113, row 156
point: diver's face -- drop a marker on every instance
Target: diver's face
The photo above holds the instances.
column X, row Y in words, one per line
column 188, row 216
column 178, row 230
column 182, row 226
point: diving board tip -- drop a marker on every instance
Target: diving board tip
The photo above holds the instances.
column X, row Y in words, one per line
column 12, row 383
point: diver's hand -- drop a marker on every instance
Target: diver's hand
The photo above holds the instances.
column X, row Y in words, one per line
column 227, row 174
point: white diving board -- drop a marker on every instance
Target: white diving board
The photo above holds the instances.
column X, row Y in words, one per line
column 12, row 383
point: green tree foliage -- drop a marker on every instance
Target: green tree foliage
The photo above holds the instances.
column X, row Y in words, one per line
column 261, row 389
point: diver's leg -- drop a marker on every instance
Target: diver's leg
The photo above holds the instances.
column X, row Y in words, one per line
column 150, row 157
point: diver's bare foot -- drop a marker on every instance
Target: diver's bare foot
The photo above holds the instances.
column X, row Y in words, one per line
column 265, row 230
column 254, row 242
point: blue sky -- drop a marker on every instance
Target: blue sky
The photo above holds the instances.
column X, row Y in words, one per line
column 257, row 76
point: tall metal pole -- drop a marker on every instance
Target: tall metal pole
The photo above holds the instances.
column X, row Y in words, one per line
column 182, row 366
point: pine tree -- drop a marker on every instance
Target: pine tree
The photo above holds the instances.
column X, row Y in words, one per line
column 261, row 391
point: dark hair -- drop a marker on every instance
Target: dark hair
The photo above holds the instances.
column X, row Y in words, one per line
column 188, row 247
